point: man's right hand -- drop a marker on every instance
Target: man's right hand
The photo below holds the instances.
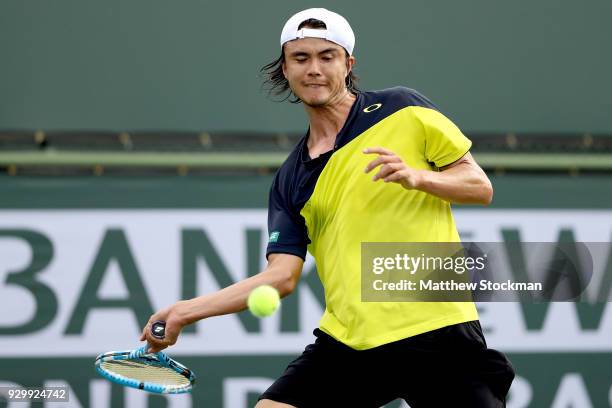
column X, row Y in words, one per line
column 174, row 316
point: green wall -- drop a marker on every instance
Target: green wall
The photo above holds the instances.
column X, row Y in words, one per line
column 23, row 192
column 192, row 65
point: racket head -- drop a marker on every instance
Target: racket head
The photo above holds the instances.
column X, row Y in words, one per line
column 152, row 372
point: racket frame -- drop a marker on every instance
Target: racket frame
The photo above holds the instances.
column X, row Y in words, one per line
column 141, row 355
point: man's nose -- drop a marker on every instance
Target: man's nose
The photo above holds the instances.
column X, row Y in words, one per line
column 314, row 68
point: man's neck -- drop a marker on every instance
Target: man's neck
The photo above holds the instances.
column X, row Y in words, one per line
column 326, row 121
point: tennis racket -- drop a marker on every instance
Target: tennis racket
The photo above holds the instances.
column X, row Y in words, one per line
column 153, row 372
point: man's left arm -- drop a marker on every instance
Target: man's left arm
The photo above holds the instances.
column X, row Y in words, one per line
column 462, row 182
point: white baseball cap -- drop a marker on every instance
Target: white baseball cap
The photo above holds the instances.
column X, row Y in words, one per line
column 337, row 29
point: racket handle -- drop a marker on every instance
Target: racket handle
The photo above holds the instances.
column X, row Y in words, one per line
column 158, row 329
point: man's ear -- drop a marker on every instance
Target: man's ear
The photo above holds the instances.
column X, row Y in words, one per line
column 350, row 61
column 284, row 66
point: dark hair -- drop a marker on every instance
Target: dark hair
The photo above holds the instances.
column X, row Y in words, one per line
column 275, row 82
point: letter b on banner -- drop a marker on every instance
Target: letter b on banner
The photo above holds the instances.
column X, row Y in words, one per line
column 45, row 299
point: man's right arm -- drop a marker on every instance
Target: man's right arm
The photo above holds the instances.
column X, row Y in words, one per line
column 282, row 272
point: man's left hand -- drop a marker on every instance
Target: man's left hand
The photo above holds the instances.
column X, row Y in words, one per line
column 393, row 169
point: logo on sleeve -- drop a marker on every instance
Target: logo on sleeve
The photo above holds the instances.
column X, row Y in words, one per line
column 274, row 236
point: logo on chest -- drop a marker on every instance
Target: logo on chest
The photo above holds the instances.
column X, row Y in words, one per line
column 372, row 108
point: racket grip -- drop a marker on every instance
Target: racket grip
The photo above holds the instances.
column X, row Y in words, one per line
column 158, row 329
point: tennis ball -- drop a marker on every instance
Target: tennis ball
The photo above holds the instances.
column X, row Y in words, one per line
column 263, row 301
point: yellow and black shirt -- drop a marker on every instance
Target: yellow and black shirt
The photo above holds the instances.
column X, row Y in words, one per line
column 328, row 206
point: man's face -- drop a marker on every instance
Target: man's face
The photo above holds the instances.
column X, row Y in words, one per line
column 316, row 70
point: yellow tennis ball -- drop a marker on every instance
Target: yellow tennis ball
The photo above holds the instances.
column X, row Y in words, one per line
column 263, row 301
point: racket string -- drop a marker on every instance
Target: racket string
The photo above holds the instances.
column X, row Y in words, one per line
column 150, row 371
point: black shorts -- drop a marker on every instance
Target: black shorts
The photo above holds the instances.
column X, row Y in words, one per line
column 451, row 366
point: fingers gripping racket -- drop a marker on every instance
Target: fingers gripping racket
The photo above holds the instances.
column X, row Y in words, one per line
column 153, row 372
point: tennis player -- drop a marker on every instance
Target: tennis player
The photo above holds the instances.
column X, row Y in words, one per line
column 379, row 166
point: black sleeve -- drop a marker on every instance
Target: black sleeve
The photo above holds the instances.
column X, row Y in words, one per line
column 286, row 227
